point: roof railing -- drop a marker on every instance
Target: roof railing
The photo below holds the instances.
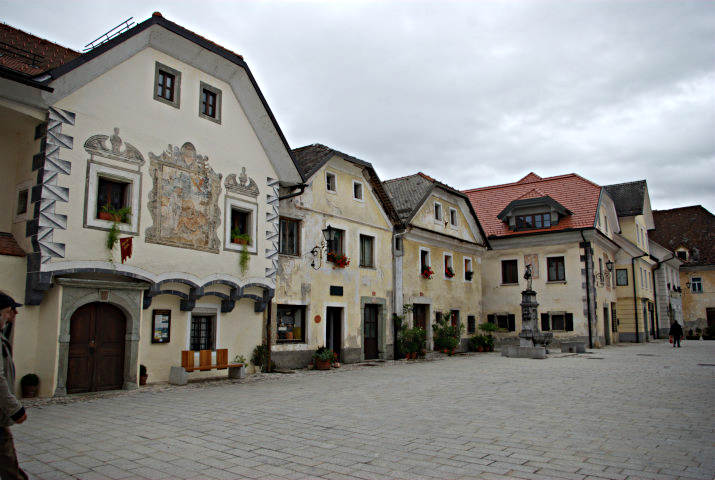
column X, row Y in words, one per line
column 104, row 38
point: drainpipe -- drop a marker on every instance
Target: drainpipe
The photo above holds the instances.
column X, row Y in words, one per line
column 655, row 293
column 301, row 189
column 586, row 252
column 635, row 295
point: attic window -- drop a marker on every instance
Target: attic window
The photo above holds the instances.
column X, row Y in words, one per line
column 536, row 220
column 682, row 255
column 330, row 182
column 167, row 85
column 437, row 211
column 210, row 103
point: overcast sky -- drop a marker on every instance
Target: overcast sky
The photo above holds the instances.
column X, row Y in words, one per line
column 472, row 93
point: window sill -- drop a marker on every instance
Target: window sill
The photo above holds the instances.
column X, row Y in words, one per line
column 368, row 267
column 516, row 284
column 556, row 282
column 292, row 255
column 290, row 342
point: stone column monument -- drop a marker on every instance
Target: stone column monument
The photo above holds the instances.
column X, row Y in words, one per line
column 532, row 341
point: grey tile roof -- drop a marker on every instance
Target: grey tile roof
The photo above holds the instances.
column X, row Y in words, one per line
column 408, row 193
column 628, row 197
column 310, row 158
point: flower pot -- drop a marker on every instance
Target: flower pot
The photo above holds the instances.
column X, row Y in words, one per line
column 322, row 364
column 239, row 241
column 142, row 379
column 29, row 391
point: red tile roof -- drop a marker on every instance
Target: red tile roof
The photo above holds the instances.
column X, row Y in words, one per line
column 28, row 54
column 8, row 246
column 572, row 191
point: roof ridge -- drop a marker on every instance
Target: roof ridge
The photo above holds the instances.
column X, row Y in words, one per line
column 399, row 178
column 543, row 179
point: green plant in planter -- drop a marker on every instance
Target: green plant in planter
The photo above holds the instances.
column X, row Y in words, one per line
column 412, row 341
column 260, row 356
column 120, row 215
column 239, row 359
column 243, row 239
column 446, row 336
column 489, row 338
column 323, row 354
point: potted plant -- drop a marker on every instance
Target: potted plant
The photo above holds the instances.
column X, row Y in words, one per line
column 29, row 384
column 259, row 357
column 118, row 215
column 143, row 375
column 244, row 240
column 322, row 358
column 488, row 328
column 338, row 259
column 241, row 361
column 412, row 342
column 448, row 272
column 427, row 272
column 446, row 337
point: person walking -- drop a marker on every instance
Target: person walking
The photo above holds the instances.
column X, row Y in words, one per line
column 11, row 410
column 676, row 331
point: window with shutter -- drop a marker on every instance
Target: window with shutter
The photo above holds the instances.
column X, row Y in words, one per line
column 569, row 322
column 545, row 322
column 512, row 322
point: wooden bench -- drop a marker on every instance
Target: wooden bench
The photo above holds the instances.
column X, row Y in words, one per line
column 179, row 375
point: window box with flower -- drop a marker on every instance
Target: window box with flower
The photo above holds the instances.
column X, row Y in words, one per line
column 339, row 260
column 448, row 272
column 427, row 272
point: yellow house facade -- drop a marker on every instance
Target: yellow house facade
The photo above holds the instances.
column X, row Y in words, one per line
column 335, row 280
column 439, row 233
column 157, row 138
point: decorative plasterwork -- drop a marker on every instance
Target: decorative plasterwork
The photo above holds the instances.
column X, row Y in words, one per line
column 244, row 186
column 272, row 226
column 97, row 145
column 183, row 201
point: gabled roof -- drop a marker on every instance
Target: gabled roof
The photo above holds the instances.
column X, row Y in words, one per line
column 9, row 246
column 311, row 158
column 410, row 192
column 628, row 197
column 29, row 54
column 533, row 201
column 691, row 227
column 573, row 192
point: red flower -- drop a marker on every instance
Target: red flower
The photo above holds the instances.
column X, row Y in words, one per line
column 427, row 272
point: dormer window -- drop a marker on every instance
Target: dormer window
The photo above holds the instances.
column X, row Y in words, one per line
column 537, row 220
column 437, row 211
column 682, row 254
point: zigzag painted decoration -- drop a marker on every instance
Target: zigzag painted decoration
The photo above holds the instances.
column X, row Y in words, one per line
column 46, row 193
column 272, row 228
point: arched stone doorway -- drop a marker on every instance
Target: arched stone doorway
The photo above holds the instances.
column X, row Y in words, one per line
column 96, row 349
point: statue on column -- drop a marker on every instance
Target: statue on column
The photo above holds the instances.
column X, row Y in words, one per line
column 527, row 276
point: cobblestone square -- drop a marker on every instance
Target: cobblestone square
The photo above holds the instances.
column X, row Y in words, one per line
column 622, row 412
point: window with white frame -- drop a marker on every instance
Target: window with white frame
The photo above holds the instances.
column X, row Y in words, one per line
column 331, row 182
column 696, row 284
column 468, row 270
column 437, row 211
column 112, row 195
column 357, row 190
column 424, row 260
column 448, row 266
column 240, row 228
column 453, row 219
column 367, row 251
column 203, row 332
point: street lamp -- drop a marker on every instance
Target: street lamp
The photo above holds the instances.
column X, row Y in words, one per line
column 317, row 251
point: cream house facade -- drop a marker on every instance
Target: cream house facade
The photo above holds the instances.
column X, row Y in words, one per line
column 171, row 131
column 666, row 288
column 439, row 230
column 320, row 301
column 564, row 228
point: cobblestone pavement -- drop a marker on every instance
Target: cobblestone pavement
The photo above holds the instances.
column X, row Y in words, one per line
column 623, row 412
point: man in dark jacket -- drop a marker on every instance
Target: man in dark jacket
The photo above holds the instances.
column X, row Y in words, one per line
column 676, row 331
column 11, row 410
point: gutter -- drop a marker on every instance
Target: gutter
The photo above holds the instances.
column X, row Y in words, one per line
column 23, row 79
column 635, row 294
column 586, row 251
column 301, row 189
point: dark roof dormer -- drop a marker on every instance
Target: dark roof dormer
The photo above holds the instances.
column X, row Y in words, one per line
column 533, row 211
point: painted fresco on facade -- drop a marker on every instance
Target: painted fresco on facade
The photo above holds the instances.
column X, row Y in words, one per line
column 184, row 200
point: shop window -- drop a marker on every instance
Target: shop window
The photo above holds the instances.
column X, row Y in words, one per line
column 289, row 236
column 556, row 270
column 471, row 324
column 331, row 183
column 621, row 277
column 509, row 273
column 167, row 85
column 357, row 190
column 367, row 251
column 210, row 103
column 291, row 323
column 203, row 332
column 437, row 211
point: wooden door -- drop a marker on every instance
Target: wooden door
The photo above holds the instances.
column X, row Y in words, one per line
column 606, row 330
column 370, row 332
column 96, row 351
column 334, row 331
column 419, row 314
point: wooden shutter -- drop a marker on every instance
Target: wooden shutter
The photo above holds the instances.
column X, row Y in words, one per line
column 512, row 322
column 491, row 318
column 545, row 322
column 569, row 322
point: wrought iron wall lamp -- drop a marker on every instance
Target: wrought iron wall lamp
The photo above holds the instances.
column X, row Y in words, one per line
column 319, row 249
